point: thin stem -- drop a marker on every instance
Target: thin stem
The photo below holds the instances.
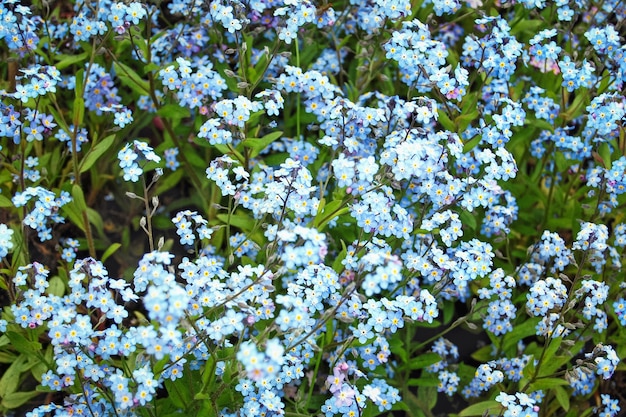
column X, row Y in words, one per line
column 148, row 226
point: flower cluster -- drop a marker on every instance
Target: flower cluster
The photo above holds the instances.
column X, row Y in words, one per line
column 545, row 299
column 6, row 242
column 611, row 407
column 348, row 399
column 45, row 210
column 189, row 226
column 449, row 353
column 119, row 16
column 133, row 156
column 518, row 404
column 73, row 137
column 340, row 176
column 194, row 83
column 20, row 30
column 501, row 311
column 37, row 81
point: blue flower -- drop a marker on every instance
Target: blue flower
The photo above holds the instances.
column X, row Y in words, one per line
column 6, row 242
column 611, row 406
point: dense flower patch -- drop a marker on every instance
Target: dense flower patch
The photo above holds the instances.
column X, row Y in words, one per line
column 260, row 207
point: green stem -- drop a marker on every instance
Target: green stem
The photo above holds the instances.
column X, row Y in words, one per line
column 85, row 217
column 146, row 201
column 454, row 325
column 316, row 372
column 550, row 196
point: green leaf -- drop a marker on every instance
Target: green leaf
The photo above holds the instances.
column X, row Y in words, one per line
column 65, row 61
column 427, row 396
column 577, row 106
column 400, row 405
column 259, row 68
column 547, row 383
column 520, row 331
column 96, row 152
column 412, row 401
column 7, row 357
column 424, row 360
column 448, row 312
column 550, row 366
column 169, row 181
column 258, row 144
column 468, row 219
column 540, row 124
column 178, row 394
column 140, row 41
column 174, row 111
column 464, row 120
column 110, row 251
column 562, row 397
column 561, row 162
column 424, row 382
column 337, row 263
column 480, row 408
column 41, row 366
column 17, row 399
column 56, row 286
column 328, row 212
column 11, row 378
column 207, row 376
column 242, row 221
column 526, row 26
column 227, row 150
column 397, row 347
column 469, row 103
column 131, row 79
column 483, row 354
column 202, row 396
column 529, row 369
column 471, row 144
column 94, row 218
column 78, row 197
column 151, row 67
column 79, row 83
column 604, row 150
column 549, row 351
column 21, row 344
column 445, row 121
column 5, row 202
column 78, row 112
column 4, row 339
column 71, row 211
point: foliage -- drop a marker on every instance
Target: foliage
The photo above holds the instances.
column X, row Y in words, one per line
column 267, row 207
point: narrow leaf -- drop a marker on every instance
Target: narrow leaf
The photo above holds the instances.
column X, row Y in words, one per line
column 424, row 360
column 480, row 408
column 131, row 79
column 78, row 197
column 110, row 251
column 96, row 152
column 562, row 397
column 17, row 399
